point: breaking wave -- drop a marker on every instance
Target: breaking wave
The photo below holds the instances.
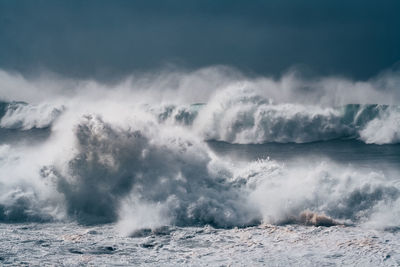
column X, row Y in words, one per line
column 153, row 176
column 246, row 120
column 22, row 116
column 244, row 117
column 142, row 164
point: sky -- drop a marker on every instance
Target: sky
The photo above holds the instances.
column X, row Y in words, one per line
column 109, row 39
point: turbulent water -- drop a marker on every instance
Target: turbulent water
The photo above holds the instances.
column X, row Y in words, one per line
column 209, row 167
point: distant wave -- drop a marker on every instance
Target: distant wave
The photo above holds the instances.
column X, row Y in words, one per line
column 250, row 119
column 246, row 120
column 24, row 116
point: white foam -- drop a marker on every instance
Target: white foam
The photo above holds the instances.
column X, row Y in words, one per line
column 110, row 157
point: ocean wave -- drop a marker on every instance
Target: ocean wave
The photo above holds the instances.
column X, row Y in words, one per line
column 235, row 109
column 244, row 117
column 170, row 169
column 383, row 129
column 247, row 118
column 24, row 116
column 115, row 157
column 152, row 176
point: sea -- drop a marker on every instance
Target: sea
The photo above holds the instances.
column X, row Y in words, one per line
column 206, row 168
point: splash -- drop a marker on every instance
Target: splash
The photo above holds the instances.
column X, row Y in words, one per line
column 137, row 155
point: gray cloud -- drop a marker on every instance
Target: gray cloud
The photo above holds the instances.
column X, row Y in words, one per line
column 107, row 39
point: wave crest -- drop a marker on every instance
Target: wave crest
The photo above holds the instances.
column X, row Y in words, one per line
column 244, row 117
column 149, row 175
column 23, row 116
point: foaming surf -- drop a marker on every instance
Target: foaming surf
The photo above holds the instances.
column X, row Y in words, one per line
column 139, row 156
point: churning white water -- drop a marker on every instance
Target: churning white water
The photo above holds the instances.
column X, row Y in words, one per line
column 208, row 167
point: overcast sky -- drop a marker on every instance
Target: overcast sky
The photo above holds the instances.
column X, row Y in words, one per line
column 106, row 39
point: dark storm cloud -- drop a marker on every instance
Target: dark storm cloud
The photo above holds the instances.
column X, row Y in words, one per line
column 104, row 39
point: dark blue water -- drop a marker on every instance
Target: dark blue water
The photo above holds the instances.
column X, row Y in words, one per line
column 341, row 151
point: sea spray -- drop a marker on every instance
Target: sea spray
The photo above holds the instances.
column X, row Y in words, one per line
column 108, row 158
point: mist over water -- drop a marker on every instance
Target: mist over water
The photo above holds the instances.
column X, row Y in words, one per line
column 209, row 147
column 218, row 133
